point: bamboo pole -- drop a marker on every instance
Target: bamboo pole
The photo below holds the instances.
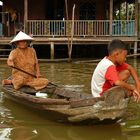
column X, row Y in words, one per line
column 72, row 32
column 67, row 18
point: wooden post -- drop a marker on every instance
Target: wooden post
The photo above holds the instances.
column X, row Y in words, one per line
column 136, row 18
column 136, row 27
column 25, row 14
column 66, row 5
column 72, row 32
column 135, row 64
column 52, row 50
column 8, row 24
column 119, row 10
column 135, row 47
column 127, row 11
column 111, row 16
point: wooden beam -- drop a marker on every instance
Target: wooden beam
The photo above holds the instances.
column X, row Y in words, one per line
column 66, row 6
column 138, row 18
column 111, row 15
column 25, row 14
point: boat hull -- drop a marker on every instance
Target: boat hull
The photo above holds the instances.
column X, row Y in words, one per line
column 66, row 109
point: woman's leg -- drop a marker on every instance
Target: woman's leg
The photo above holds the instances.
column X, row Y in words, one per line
column 18, row 82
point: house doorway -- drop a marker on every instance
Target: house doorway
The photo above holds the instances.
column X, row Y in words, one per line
column 55, row 9
column 87, row 11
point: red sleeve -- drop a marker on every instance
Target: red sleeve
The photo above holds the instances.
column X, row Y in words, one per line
column 122, row 67
column 112, row 75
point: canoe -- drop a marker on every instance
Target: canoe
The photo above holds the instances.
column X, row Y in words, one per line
column 65, row 105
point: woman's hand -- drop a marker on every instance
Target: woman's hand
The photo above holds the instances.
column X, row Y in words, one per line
column 38, row 75
column 10, row 63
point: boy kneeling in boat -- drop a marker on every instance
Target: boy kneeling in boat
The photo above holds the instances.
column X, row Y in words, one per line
column 114, row 71
column 24, row 58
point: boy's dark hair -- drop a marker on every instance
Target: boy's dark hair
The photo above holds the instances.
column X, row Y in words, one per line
column 116, row 44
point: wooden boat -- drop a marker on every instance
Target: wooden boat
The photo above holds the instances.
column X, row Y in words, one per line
column 70, row 106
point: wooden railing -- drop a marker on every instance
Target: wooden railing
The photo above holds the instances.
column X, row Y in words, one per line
column 60, row 28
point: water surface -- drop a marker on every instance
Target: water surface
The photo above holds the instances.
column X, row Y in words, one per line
column 20, row 123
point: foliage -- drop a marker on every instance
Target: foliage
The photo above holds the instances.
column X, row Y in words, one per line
column 124, row 13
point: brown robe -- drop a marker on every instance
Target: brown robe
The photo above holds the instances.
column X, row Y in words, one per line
column 26, row 60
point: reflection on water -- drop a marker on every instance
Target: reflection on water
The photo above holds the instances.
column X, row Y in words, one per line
column 20, row 123
column 82, row 132
column 5, row 118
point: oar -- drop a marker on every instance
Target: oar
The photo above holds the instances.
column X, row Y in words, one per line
column 24, row 71
column 29, row 73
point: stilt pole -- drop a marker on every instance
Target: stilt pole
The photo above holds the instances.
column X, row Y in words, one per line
column 52, row 50
column 72, row 32
column 67, row 18
column 135, row 47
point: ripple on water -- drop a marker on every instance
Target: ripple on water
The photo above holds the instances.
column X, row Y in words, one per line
column 5, row 133
column 134, row 126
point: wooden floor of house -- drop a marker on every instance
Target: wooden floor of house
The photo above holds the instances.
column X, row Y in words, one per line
column 5, row 47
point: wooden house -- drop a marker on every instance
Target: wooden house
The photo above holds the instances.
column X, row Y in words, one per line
column 67, row 22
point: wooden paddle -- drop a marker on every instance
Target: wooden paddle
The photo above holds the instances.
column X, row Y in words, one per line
column 29, row 73
column 24, row 71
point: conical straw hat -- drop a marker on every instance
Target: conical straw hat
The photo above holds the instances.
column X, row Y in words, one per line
column 21, row 36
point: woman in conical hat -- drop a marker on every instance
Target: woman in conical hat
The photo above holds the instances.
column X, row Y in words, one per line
column 25, row 58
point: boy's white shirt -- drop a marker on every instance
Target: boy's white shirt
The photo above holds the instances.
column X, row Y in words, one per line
column 98, row 77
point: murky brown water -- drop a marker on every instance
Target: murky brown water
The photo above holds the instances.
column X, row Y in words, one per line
column 20, row 123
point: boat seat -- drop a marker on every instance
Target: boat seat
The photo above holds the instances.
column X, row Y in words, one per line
column 71, row 95
column 49, row 89
column 115, row 95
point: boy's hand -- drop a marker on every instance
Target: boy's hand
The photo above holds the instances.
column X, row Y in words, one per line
column 136, row 95
column 138, row 87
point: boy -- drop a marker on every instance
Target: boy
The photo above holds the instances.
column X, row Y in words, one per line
column 113, row 71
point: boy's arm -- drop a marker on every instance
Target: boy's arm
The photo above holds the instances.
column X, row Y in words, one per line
column 134, row 74
column 134, row 92
column 125, row 85
column 112, row 76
